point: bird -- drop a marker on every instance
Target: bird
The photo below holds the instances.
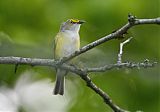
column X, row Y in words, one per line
column 66, row 42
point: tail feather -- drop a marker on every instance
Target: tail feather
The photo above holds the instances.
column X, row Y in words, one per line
column 61, row 89
column 59, row 86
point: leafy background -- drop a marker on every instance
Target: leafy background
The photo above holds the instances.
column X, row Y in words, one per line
column 28, row 27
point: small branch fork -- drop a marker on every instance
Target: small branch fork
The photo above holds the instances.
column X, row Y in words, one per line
column 83, row 72
column 121, row 50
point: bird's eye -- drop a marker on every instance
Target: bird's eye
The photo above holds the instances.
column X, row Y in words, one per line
column 72, row 22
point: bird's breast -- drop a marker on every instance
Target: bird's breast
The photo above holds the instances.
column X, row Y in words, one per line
column 70, row 44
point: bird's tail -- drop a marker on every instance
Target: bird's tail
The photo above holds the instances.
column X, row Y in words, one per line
column 59, row 86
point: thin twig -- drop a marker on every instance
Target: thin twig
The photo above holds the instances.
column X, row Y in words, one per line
column 129, row 65
column 119, row 61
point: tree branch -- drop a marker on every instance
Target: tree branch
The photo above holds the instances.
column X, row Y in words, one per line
column 74, row 69
column 100, row 92
column 37, row 62
column 132, row 21
column 129, row 65
column 79, row 71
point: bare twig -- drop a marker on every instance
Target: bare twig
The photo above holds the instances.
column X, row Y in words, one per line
column 131, row 65
column 37, row 62
column 121, row 50
column 100, row 92
column 27, row 61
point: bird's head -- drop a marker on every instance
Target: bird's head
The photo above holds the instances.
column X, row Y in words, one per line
column 72, row 25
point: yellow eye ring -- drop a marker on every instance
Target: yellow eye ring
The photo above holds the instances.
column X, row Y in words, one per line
column 74, row 20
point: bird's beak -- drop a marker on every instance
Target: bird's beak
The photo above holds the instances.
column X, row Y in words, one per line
column 81, row 21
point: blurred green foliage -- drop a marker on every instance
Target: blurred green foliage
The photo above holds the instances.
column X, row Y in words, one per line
column 28, row 27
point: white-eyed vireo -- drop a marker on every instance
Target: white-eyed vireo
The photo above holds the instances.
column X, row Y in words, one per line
column 67, row 41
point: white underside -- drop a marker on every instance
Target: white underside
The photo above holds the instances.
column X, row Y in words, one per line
column 70, row 46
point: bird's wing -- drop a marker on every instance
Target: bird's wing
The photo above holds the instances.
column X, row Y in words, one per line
column 57, row 44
